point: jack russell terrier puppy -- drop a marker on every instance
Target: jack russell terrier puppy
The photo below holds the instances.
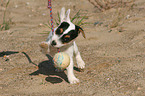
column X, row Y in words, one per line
column 63, row 37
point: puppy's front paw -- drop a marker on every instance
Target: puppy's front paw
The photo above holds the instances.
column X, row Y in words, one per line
column 74, row 80
column 81, row 64
column 44, row 47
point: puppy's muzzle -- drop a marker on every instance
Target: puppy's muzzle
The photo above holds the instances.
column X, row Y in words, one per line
column 53, row 43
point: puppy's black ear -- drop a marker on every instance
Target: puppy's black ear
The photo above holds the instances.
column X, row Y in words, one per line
column 79, row 29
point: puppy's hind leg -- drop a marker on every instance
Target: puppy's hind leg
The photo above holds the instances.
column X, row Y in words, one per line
column 80, row 62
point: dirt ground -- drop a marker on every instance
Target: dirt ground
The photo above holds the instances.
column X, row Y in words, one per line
column 115, row 58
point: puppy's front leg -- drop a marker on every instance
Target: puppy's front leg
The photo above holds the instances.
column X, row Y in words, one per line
column 45, row 44
column 44, row 47
column 80, row 62
column 70, row 74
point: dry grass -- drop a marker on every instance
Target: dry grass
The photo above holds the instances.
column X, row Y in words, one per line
column 6, row 23
column 121, row 6
column 118, row 18
column 103, row 5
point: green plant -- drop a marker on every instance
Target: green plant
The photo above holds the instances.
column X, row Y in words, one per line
column 77, row 19
column 5, row 24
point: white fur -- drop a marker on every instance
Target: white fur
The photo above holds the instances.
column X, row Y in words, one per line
column 62, row 14
column 71, row 49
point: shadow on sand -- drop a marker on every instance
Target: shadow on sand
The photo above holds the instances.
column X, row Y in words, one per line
column 3, row 53
column 47, row 68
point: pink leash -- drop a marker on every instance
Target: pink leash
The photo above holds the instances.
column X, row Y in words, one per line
column 49, row 7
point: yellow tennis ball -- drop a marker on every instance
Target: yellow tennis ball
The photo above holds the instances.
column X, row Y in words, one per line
column 61, row 60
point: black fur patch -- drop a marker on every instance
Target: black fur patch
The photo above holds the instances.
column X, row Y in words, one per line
column 72, row 35
column 79, row 29
column 63, row 26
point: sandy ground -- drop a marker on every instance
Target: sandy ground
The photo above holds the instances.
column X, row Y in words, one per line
column 115, row 58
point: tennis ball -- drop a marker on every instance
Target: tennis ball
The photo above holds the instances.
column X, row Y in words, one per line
column 61, row 60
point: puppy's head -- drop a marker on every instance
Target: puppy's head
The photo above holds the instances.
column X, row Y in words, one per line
column 66, row 32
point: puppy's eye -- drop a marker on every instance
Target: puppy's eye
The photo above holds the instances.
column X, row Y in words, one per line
column 67, row 38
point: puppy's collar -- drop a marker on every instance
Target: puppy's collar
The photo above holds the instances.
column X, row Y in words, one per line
column 58, row 50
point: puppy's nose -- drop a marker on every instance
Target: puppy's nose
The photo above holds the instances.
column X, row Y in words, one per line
column 53, row 43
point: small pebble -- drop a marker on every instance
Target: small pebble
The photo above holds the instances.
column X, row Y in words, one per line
column 109, row 31
column 40, row 24
column 128, row 16
column 43, row 14
column 121, row 29
column 98, row 23
column 30, row 15
column 27, row 3
column 139, row 88
column 143, row 37
column 16, row 6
